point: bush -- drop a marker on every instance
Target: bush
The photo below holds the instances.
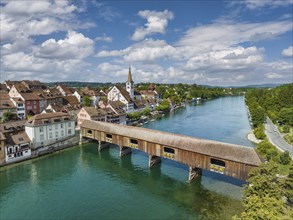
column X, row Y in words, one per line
column 267, row 150
column 286, row 129
column 259, row 132
column 285, row 158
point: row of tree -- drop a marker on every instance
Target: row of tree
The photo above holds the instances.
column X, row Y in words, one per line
column 269, row 192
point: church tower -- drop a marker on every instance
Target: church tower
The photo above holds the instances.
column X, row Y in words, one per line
column 130, row 84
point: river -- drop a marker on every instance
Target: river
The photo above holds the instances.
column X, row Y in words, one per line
column 81, row 183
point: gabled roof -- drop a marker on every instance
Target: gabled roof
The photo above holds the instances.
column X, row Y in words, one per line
column 4, row 95
column 20, row 87
column 65, row 89
column 232, row 152
column 95, row 112
column 71, row 100
column 12, row 126
column 124, row 93
column 118, row 107
column 7, row 104
column 30, row 96
column 18, row 138
column 48, row 118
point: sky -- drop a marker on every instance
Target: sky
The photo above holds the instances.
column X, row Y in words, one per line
column 218, row 43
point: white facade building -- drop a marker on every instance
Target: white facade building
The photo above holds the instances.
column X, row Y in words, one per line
column 49, row 128
column 117, row 93
column 17, row 148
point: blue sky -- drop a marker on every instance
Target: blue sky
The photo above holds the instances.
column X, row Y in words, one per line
column 203, row 42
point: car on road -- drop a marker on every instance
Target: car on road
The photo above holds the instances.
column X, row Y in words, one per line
column 275, row 130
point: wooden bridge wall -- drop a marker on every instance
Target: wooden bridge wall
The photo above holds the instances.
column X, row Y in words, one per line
column 232, row 168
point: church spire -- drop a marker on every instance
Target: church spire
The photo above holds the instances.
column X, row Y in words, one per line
column 129, row 76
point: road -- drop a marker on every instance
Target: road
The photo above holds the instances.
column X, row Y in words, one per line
column 275, row 137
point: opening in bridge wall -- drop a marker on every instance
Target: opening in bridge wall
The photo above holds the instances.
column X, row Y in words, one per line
column 108, row 135
column 133, row 141
column 169, row 153
column 218, row 162
column 169, row 150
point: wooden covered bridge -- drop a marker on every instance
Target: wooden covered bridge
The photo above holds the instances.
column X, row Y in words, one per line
column 227, row 159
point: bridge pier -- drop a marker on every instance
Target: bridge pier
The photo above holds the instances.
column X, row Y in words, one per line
column 153, row 160
column 103, row 145
column 194, row 173
column 80, row 138
column 124, row 151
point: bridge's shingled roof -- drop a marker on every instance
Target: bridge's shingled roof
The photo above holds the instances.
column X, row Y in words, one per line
column 237, row 153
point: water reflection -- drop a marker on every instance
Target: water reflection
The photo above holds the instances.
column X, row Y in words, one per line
column 195, row 197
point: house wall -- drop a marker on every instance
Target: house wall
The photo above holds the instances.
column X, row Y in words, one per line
column 47, row 134
column 81, row 116
column 17, row 152
column 13, row 93
column 32, row 105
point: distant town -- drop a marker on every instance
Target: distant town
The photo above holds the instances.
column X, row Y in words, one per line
column 37, row 119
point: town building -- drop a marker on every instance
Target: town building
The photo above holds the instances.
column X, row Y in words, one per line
column 130, row 85
column 64, row 90
column 117, row 93
column 20, row 107
column 91, row 113
column 6, row 105
column 14, row 142
column 49, row 128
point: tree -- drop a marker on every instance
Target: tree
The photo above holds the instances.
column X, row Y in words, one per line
column 8, row 116
column 286, row 116
column 87, row 101
column 285, row 158
column 263, row 194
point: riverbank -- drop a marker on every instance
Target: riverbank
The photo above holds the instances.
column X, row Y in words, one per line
column 251, row 137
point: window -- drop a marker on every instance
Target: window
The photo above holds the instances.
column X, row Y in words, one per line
column 133, row 141
column 69, row 131
column 41, row 129
column 218, row 162
column 69, row 124
column 50, row 135
column 41, row 137
column 35, row 102
column 61, row 125
column 50, row 127
column 56, row 134
column 62, row 133
column 56, row 126
column 169, row 150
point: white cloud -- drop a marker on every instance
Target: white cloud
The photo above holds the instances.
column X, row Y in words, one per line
column 234, row 59
column 157, row 22
column 145, row 51
column 75, row 46
column 288, row 52
column 219, row 36
column 273, row 75
column 255, row 4
column 30, row 18
column 104, row 38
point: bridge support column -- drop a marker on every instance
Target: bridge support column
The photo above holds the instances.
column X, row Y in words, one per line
column 124, row 151
column 194, row 173
column 102, row 145
column 80, row 138
column 153, row 160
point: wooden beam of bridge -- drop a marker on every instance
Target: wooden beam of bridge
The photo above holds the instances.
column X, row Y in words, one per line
column 228, row 159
